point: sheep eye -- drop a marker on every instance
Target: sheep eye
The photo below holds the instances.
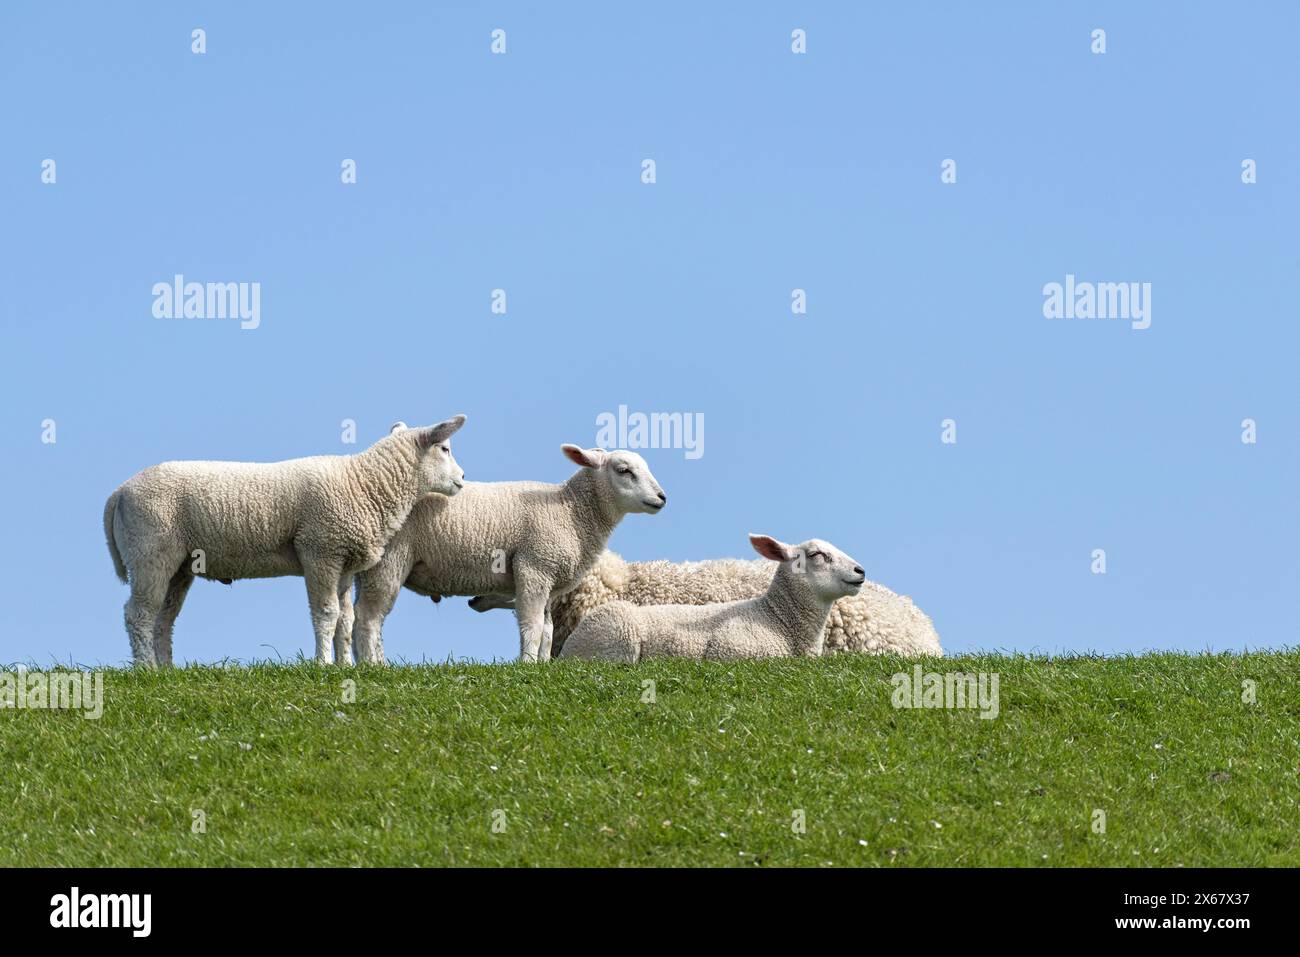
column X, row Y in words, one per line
column 624, row 471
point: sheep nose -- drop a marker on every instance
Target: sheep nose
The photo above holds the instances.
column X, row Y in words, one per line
column 858, row 570
column 663, row 499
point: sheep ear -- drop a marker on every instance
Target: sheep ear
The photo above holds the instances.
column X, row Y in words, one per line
column 769, row 547
column 587, row 458
column 437, row 434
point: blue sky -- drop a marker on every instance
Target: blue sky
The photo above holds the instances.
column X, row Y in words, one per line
column 775, row 171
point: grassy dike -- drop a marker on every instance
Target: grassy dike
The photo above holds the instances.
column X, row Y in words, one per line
column 570, row 764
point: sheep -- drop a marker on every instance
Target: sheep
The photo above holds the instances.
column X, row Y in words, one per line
column 326, row 518
column 875, row 621
column 530, row 540
column 786, row 621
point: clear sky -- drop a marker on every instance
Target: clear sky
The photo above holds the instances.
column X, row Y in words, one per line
column 775, row 171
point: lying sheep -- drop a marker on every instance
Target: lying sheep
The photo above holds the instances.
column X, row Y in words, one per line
column 786, row 621
column 325, row 518
column 874, row 621
column 529, row 540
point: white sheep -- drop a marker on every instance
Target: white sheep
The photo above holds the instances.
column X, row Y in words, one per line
column 325, row 518
column 874, row 621
column 529, row 540
column 786, row 621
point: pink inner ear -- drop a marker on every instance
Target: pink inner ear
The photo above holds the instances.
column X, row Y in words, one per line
column 576, row 455
column 769, row 547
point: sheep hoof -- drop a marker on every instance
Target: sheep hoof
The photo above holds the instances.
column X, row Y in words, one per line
column 435, row 598
column 226, row 581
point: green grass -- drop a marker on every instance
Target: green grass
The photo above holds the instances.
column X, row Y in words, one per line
column 712, row 772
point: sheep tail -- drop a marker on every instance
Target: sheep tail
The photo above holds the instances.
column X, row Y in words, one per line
column 110, row 509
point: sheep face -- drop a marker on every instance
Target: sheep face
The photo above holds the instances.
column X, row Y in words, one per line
column 824, row 569
column 439, row 471
column 625, row 477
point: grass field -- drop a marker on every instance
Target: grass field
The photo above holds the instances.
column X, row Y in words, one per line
column 566, row 764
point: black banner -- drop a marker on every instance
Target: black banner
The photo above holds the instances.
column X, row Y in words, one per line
column 332, row 907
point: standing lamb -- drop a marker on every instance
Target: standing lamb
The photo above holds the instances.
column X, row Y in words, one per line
column 874, row 621
column 326, row 518
column 530, row 540
column 786, row 621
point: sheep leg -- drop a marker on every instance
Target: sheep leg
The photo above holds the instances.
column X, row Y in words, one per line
column 323, row 597
column 375, row 598
column 532, row 592
column 162, row 634
column 483, row 603
column 343, row 630
column 148, row 592
column 548, row 631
